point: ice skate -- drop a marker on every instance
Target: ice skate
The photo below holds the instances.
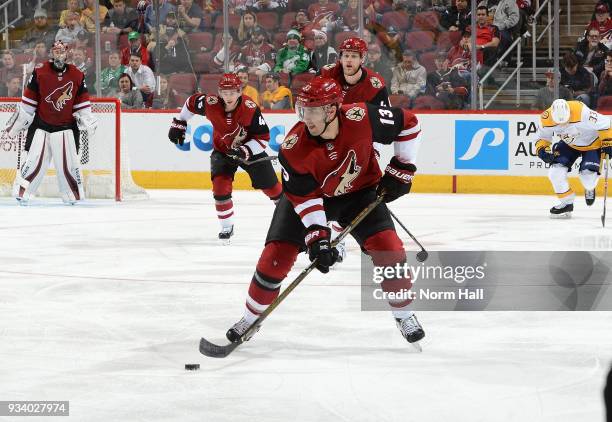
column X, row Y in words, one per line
column 411, row 330
column 225, row 234
column 589, row 197
column 238, row 329
column 562, row 211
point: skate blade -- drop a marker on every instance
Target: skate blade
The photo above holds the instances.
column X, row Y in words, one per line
column 417, row 346
column 564, row 216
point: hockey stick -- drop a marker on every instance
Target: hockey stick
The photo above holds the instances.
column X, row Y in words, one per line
column 603, row 215
column 215, row 351
column 249, row 163
column 423, row 254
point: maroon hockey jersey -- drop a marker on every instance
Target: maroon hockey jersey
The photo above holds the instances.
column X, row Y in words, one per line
column 56, row 95
column 370, row 88
column 255, row 56
column 231, row 129
column 314, row 168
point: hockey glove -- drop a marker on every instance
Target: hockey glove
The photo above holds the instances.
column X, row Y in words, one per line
column 319, row 247
column 241, row 154
column 176, row 134
column 606, row 147
column 397, row 180
column 546, row 156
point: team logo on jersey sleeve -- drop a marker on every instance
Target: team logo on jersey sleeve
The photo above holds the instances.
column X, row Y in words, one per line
column 329, row 66
column 376, row 83
column 212, row 100
column 290, row 141
column 60, row 96
column 250, row 104
column 356, row 113
column 340, row 180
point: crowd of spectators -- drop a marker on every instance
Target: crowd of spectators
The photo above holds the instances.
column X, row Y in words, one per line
column 421, row 48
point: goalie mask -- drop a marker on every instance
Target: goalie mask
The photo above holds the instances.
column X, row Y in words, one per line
column 58, row 54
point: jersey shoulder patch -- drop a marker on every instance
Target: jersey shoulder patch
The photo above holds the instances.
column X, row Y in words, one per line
column 376, row 82
column 250, row 104
column 356, row 113
column 290, row 141
column 212, row 99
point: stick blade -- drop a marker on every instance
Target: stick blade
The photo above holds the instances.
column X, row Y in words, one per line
column 603, row 221
column 215, row 351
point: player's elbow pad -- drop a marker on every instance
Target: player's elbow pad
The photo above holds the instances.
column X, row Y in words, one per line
column 20, row 120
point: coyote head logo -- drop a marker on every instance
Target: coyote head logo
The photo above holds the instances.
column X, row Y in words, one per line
column 60, row 96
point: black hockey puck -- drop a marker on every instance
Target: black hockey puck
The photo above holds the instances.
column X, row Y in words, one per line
column 192, row 366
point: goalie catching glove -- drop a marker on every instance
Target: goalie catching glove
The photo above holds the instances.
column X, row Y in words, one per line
column 397, row 180
column 176, row 134
column 318, row 242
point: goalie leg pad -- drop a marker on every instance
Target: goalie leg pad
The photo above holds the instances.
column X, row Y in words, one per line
column 34, row 167
column 67, row 166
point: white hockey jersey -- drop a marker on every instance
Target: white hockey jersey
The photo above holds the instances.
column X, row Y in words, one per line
column 585, row 131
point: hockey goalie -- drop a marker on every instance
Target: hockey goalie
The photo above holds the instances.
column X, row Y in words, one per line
column 54, row 108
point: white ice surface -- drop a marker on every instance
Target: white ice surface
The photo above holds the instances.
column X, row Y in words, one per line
column 102, row 304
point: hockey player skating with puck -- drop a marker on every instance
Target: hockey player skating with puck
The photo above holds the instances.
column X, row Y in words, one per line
column 359, row 85
column 240, row 136
column 581, row 132
column 330, row 171
column 54, row 107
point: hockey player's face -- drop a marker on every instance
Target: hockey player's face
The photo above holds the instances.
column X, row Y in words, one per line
column 313, row 117
column 230, row 97
column 351, row 61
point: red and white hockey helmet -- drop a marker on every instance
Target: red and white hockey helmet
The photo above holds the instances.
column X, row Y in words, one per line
column 59, row 52
column 320, row 91
column 354, row 44
column 230, row 81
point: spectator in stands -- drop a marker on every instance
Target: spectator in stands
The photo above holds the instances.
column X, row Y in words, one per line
column 82, row 40
column 294, row 57
column 264, row 5
column 190, row 16
column 248, row 90
column 13, row 87
column 248, row 21
column 88, row 16
column 591, row 52
column 142, row 76
column 604, row 89
column 137, row 46
column 68, row 34
column 73, row 7
column 506, row 20
column 40, row 55
column 461, row 52
column 576, row 78
column 167, row 97
column 121, row 19
column 446, row 84
column 258, row 55
column 457, row 17
column 487, row 38
column 128, row 94
column 545, row 95
column 276, row 96
column 323, row 54
column 234, row 57
column 323, row 12
column 84, row 64
column 237, row 7
column 301, row 22
column 392, row 45
column 174, row 46
column 350, row 16
column 41, row 31
column 109, row 77
column 603, row 24
column 376, row 62
column 409, row 77
column 164, row 8
column 8, row 68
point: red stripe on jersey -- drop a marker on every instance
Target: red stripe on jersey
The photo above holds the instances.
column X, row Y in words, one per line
column 408, row 137
column 308, row 210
